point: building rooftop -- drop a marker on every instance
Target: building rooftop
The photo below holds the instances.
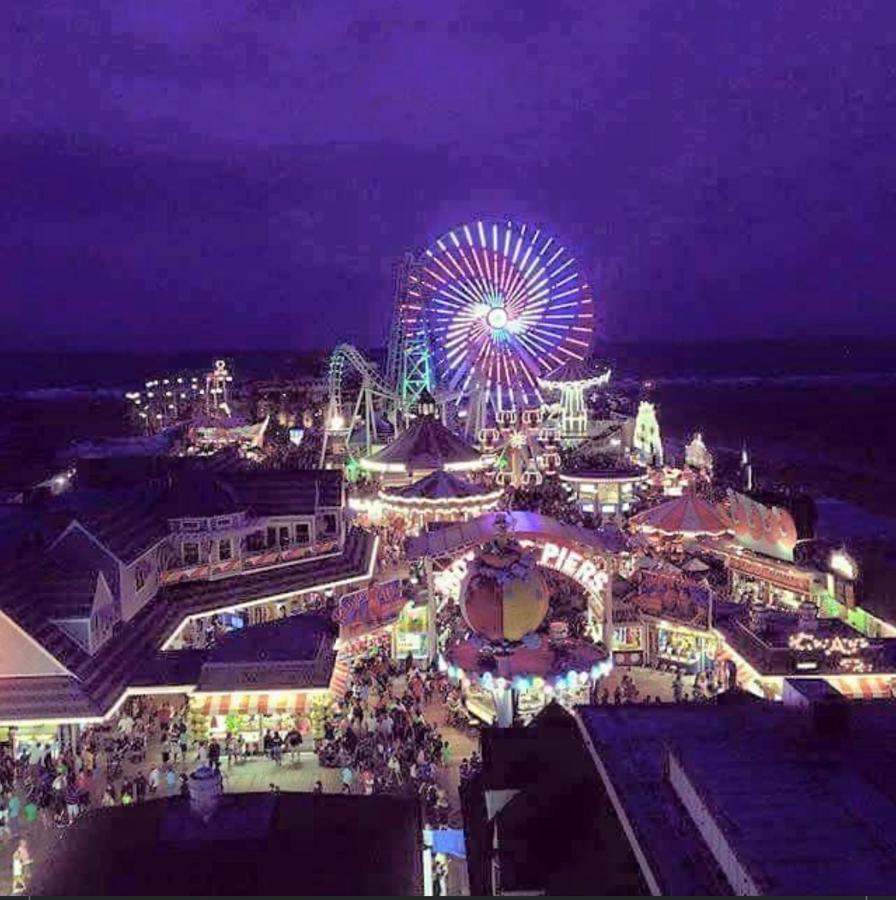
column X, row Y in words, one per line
column 555, row 825
column 426, row 444
column 783, row 791
column 254, row 844
column 688, row 514
column 65, row 592
column 127, row 523
column 275, row 493
column 438, row 485
column 100, row 679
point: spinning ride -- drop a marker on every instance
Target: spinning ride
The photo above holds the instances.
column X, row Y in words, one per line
column 506, row 655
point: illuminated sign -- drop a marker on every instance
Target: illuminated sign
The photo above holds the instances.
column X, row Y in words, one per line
column 839, row 645
column 791, row 581
column 375, row 605
column 847, row 651
column 582, row 570
column 449, row 580
column 843, row 565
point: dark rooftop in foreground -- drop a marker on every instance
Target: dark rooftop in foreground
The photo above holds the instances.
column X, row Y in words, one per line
column 807, row 804
column 545, row 805
column 254, row 844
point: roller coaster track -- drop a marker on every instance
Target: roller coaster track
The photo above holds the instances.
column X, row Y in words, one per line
column 345, row 358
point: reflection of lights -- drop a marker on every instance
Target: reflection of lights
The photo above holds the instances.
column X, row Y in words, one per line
column 841, row 564
column 337, row 423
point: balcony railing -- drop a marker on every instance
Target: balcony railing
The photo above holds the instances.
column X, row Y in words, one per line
column 250, row 562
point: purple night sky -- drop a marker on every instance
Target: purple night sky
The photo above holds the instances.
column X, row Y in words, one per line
column 184, row 174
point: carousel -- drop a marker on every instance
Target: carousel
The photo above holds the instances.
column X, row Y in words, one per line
column 425, row 446
column 508, row 652
column 438, row 497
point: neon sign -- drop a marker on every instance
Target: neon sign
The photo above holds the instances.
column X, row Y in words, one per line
column 373, row 606
column 582, row 570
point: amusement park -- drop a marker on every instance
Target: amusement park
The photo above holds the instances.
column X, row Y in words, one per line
column 399, row 578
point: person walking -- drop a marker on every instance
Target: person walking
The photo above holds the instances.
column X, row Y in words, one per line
column 214, row 755
column 294, row 744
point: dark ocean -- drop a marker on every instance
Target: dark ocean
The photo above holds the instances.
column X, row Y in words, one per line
column 815, row 414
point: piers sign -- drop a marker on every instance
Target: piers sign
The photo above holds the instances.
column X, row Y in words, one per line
column 584, row 571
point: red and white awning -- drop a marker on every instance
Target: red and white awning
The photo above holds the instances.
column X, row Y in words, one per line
column 687, row 515
column 252, row 704
column 341, row 673
column 865, row 687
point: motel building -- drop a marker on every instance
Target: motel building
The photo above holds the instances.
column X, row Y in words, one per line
column 223, row 591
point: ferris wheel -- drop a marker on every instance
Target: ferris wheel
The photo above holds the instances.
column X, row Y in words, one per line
column 502, row 304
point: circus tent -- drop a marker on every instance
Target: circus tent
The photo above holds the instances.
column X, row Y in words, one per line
column 685, row 515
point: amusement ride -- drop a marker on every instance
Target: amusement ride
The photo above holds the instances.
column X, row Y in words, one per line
column 481, row 318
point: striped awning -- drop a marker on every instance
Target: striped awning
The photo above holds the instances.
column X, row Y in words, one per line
column 252, row 704
column 341, row 673
column 865, row 687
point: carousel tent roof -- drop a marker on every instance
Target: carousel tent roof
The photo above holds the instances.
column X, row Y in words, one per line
column 695, row 564
column 427, row 444
column 438, row 485
column 688, row 514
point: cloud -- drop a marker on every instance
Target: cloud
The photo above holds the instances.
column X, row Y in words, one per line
column 249, row 171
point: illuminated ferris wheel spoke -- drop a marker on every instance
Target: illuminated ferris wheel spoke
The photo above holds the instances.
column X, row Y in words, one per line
column 488, row 275
column 465, row 293
column 565, row 265
column 567, row 279
column 455, row 263
column 482, row 275
column 555, row 257
column 469, row 268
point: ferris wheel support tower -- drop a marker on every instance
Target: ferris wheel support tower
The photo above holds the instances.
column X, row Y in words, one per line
column 408, row 362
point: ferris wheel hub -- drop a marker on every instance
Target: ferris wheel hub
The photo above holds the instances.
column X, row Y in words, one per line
column 497, row 318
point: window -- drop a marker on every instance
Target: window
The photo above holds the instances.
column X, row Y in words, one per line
column 222, row 523
column 255, row 541
column 329, row 520
column 190, row 553
column 284, row 535
column 272, row 537
column 303, row 532
column 224, row 550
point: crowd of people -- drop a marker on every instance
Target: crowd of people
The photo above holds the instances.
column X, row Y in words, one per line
column 379, row 738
